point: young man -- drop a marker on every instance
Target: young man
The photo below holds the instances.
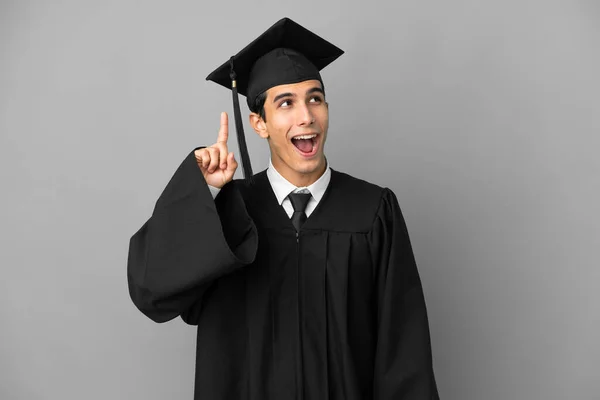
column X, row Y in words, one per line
column 301, row 279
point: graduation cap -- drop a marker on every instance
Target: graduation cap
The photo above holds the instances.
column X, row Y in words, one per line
column 285, row 53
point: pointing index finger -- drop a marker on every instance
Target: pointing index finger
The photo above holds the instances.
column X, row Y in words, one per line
column 224, row 131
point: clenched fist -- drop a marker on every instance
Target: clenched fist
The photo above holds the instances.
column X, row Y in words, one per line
column 215, row 162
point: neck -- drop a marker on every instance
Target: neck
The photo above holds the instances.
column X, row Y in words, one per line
column 297, row 178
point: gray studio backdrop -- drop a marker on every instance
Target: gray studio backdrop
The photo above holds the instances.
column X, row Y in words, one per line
column 483, row 117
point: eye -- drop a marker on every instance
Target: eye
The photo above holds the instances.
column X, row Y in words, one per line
column 285, row 103
column 316, row 99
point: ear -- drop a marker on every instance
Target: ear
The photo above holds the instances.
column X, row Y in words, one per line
column 259, row 125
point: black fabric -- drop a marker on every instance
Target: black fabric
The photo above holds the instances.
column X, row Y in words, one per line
column 285, row 53
column 278, row 67
column 334, row 312
column 299, row 202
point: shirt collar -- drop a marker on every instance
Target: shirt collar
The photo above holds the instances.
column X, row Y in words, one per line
column 282, row 187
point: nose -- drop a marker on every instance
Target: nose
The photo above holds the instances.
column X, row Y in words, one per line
column 305, row 117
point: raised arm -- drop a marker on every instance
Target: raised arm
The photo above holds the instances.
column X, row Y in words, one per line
column 183, row 247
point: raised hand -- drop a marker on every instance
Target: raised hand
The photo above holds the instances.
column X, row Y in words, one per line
column 216, row 163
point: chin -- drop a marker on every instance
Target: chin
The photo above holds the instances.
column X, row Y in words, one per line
column 309, row 166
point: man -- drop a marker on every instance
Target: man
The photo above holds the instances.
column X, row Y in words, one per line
column 301, row 279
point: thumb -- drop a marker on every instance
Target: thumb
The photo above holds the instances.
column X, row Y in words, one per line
column 231, row 165
column 231, row 162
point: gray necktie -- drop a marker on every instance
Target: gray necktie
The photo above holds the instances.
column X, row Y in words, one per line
column 299, row 202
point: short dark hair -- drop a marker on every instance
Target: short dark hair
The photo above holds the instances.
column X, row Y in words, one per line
column 258, row 106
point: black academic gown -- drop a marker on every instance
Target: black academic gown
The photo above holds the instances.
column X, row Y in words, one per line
column 336, row 312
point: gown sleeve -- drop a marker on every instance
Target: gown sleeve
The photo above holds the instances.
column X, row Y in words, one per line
column 403, row 360
column 188, row 243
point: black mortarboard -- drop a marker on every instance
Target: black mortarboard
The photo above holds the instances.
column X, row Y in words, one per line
column 285, row 53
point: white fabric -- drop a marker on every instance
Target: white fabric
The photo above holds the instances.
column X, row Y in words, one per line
column 282, row 188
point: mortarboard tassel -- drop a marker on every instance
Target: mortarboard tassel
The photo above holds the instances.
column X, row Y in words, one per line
column 239, row 127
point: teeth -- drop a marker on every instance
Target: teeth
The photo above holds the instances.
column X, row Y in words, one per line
column 305, row 137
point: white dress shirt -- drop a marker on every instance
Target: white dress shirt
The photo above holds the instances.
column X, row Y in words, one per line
column 282, row 188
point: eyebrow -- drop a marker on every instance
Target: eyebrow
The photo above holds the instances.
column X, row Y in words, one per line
column 282, row 95
column 288, row 94
column 316, row 90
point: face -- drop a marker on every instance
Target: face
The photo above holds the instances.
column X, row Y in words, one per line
column 297, row 119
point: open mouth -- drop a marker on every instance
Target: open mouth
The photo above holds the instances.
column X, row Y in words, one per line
column 306, row 144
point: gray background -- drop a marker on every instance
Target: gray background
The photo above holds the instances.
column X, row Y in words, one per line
column 482, row 116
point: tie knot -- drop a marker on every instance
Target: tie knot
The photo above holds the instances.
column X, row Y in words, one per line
column 299, row 201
